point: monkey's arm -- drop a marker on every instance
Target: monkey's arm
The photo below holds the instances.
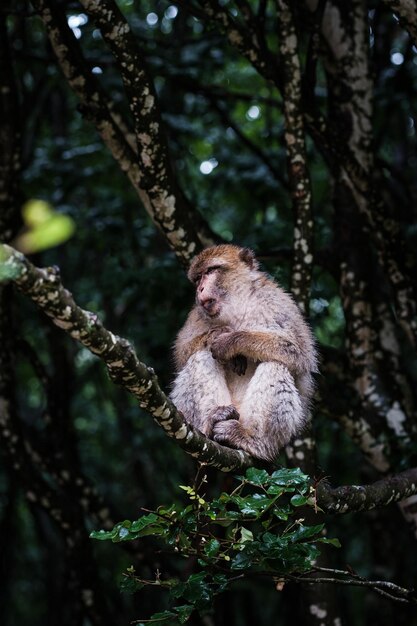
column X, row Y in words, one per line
column 183, row 350
column 263, row 346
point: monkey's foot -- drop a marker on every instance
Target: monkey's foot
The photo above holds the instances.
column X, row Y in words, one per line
column 227, row 432
column 217, row 415
column 223, row 413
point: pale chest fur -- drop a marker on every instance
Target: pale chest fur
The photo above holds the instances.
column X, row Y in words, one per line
column 238, row 385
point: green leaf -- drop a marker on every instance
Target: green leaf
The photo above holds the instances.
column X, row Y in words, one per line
column 196, row 589
column 298, row 500
column 275, row 490
column 333, row 542
column 257, row 476
column 305, row 532
column 101, row 534
column 243, row 560
column 150, row 524
column 272, row 543
column 127, row 531
column 221, row 581
column 161, row 619
column 130, row 585
column 212, row 548
column 184, row 612
column 36, row 212
column 246, row 535
column 177, row 589
column 289, row 477
column 253, row 505
column 282, row 513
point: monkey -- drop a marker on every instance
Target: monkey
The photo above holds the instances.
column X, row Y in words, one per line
column 245, row 357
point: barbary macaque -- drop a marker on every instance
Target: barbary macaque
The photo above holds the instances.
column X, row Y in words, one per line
column 244, row 357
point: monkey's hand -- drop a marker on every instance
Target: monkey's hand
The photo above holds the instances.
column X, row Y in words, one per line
column 219, row 340
column 222, row 347
column 213, row 334
column 222, row 413
column 219, row 414
column 228, row 433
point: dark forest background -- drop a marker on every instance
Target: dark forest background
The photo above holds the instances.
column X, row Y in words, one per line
column 308, row 155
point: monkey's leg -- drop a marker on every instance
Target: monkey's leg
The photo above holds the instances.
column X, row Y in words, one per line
column 201, row 394
column 271, row 413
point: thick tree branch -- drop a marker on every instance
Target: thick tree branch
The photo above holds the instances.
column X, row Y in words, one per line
column 168, row 206
column 349, row 132
column 298, row 173
column 383, row 410
column 138, row 156
column 44, row 287
column 351, row 498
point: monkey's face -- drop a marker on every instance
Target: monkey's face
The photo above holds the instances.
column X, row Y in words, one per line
column 218, row 274
column 209, row 290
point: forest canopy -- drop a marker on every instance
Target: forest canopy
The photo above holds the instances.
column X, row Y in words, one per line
column 133, row 135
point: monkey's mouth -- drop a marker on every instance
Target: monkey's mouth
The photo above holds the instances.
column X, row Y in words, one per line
column 211, row 307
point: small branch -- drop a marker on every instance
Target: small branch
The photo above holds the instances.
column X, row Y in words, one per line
column 251, row 145
column 350, row 498
column 240, row 34
column 384, row 588
column 44, row 287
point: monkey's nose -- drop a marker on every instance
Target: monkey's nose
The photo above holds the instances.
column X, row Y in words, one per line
column 207, row 303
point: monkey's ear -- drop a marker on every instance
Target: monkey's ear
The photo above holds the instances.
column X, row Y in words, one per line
column 248, row 256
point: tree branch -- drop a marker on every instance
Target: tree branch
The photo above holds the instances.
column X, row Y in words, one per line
column 240, row 34
column 44, row 287
column 298, row 173
column 168, row 205
column 350, row 498
column 382, row 587
column 136, row 155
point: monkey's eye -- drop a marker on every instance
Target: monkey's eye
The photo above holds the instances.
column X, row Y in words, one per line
column 213, row 268
column 197, row 279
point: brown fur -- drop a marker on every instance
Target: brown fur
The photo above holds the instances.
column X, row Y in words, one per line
column 244, row 356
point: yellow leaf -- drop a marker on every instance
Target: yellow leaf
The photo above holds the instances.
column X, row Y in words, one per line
column 36, row 212
column 51, row 232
